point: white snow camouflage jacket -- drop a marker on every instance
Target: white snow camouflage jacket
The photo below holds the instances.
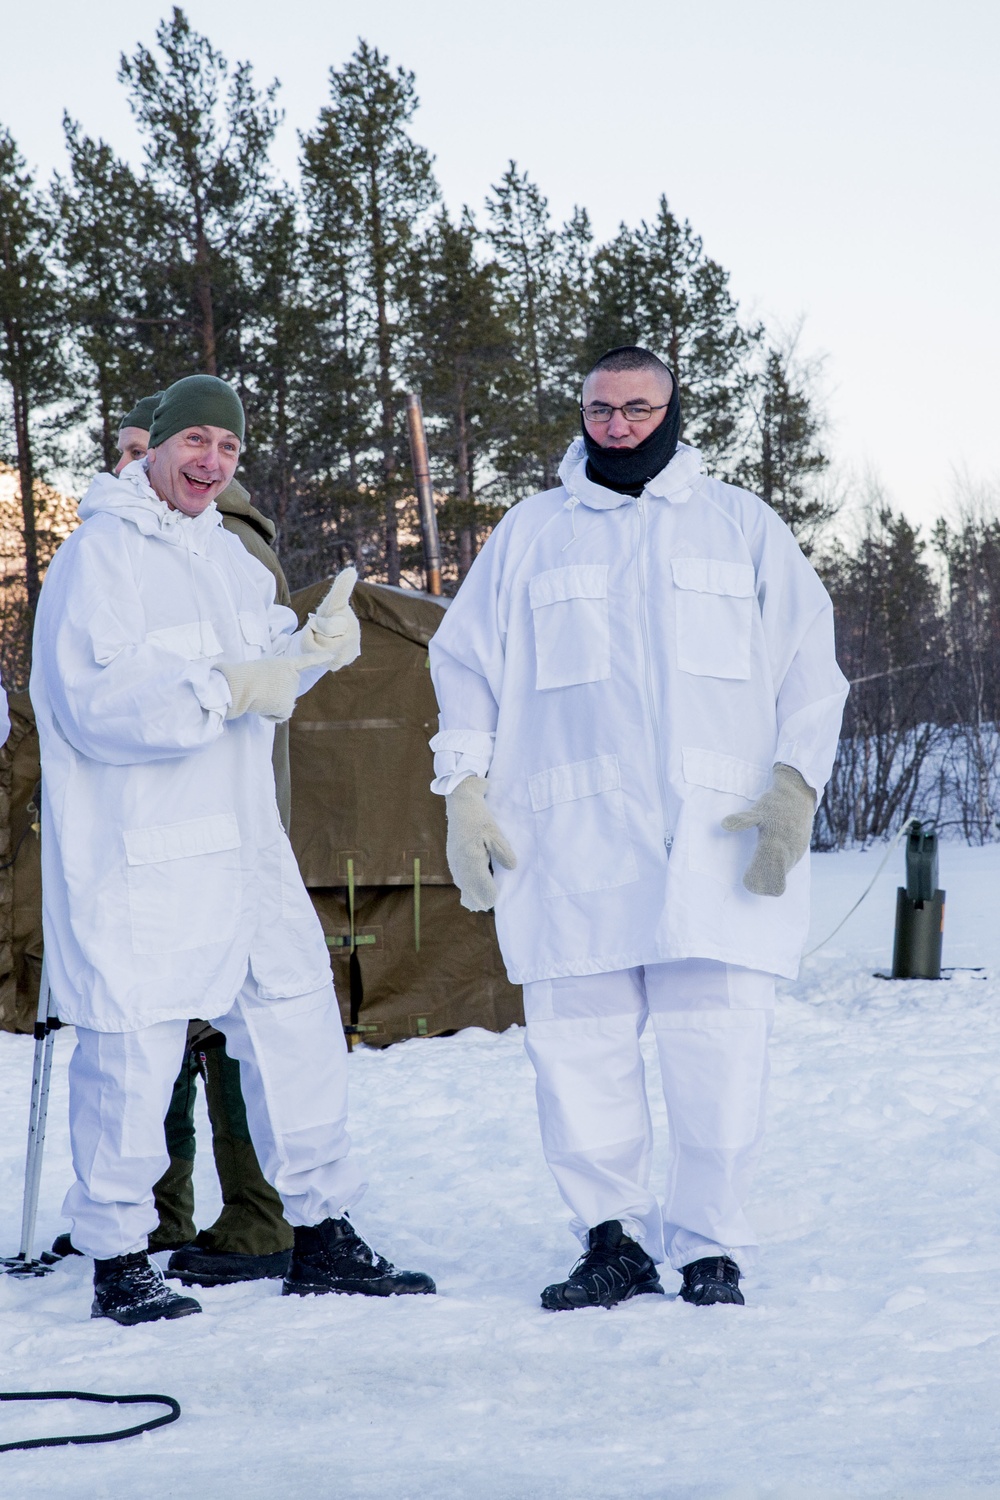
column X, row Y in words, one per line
column 165, row 868
column 627, row 672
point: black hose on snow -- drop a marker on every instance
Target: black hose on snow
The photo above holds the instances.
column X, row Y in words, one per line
column 171, row 1415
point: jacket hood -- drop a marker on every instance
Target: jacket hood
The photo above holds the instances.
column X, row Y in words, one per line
column 235, row 501
column 675, row 482
column 132, row 498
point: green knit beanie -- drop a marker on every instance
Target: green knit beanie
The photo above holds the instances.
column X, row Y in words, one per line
column 141, row 415
column 197, row 401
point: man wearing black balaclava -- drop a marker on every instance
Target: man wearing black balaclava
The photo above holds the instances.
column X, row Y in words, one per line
column 639, row 706
column 631, row 420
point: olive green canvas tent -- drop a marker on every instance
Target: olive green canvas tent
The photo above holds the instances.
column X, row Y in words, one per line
column 367, row 831
column 369, row 836
column 20, row 871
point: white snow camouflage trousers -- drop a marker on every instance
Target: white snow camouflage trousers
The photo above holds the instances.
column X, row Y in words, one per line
column 293, row 1069
column 711, row 1022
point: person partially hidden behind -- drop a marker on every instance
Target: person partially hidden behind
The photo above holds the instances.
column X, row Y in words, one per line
column 639, row 706
column 161, row 664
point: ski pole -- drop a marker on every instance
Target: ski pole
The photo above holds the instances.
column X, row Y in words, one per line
column 45, row 1028
column 36, row 1130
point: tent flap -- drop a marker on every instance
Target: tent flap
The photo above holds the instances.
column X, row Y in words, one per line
column 456, row 978
column 361, row 764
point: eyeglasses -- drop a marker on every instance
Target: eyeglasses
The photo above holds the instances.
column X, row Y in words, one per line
column 601, row 412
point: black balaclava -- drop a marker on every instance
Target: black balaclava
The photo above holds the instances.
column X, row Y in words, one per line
column 628, row 470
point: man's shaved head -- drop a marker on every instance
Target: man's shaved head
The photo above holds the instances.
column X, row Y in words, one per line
column 622, row 381
column 631, row 358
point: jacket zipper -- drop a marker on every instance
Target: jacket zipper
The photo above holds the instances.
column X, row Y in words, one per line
column 668, row 837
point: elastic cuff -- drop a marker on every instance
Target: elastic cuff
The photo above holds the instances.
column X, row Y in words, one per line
column 213, row 691
column 444, row 785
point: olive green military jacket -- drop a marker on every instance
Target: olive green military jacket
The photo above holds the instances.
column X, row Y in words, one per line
column 257, row 533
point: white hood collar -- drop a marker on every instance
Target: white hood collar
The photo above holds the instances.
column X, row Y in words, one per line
column 132, row 497
column 676, row 482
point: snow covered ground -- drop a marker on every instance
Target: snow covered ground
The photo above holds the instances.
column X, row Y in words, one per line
column 866, row 1363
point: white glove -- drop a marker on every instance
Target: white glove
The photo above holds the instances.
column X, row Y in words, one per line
column 333, row 629
column 784, row 816
column 268, row 686
column 473, row 840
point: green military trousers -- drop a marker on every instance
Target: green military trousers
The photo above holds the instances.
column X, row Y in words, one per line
column 251, row 1221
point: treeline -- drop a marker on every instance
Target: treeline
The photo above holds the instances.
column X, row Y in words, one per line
column 918, row 635
column 327, row 299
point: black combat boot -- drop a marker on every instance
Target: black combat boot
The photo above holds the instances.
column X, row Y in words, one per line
column 130, row 1289
column 713, row 1279
column 613, row 1269
column 193, row 1266
column 332, row 1257
column 62, row 1246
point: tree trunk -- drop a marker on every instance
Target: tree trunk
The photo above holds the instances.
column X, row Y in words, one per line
column 109, row 429
column 26, row 477
column 203, row 297
column 465, row 542
column 380, row 278
column 536, row 373
column 766, row 455
column 281, row 448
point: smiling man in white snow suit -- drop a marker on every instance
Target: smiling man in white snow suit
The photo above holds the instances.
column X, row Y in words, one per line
column 251, row 1239
column 161, row 664
column 639, row 706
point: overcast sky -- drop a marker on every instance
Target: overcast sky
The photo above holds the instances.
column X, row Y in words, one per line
column 839, row 159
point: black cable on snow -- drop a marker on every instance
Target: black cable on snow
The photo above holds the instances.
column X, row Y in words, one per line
column 172, row 1414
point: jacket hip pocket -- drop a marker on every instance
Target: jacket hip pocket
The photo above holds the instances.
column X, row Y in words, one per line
column 714, row 616
column 185, row 884
column 717, row 784
column 580, row 827
column 569, row 609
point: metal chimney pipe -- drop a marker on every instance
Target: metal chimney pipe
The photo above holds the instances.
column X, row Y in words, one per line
column 425, row 493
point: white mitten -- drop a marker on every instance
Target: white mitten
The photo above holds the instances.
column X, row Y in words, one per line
column 333, row 629
column 268, row 686
column 784, row 817
column 473, row 840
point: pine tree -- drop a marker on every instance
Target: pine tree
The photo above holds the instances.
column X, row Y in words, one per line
column 784, row 457
column 207, row 132
column 106, row 219
column 459, row 340
column 656, row 287
column 31, row 326
column 546, row 283
column 271, row 356
column 363, row 172
column 340, row 408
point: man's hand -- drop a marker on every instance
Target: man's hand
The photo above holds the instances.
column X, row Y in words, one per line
column 784, row 816
column 268, row 686
column 333, row 629
column 473, row 841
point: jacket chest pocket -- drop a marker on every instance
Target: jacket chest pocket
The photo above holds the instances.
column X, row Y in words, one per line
column 581, row 832
column 714, row 616
column 193, row 641
column 569, row 611
column 185, row 884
